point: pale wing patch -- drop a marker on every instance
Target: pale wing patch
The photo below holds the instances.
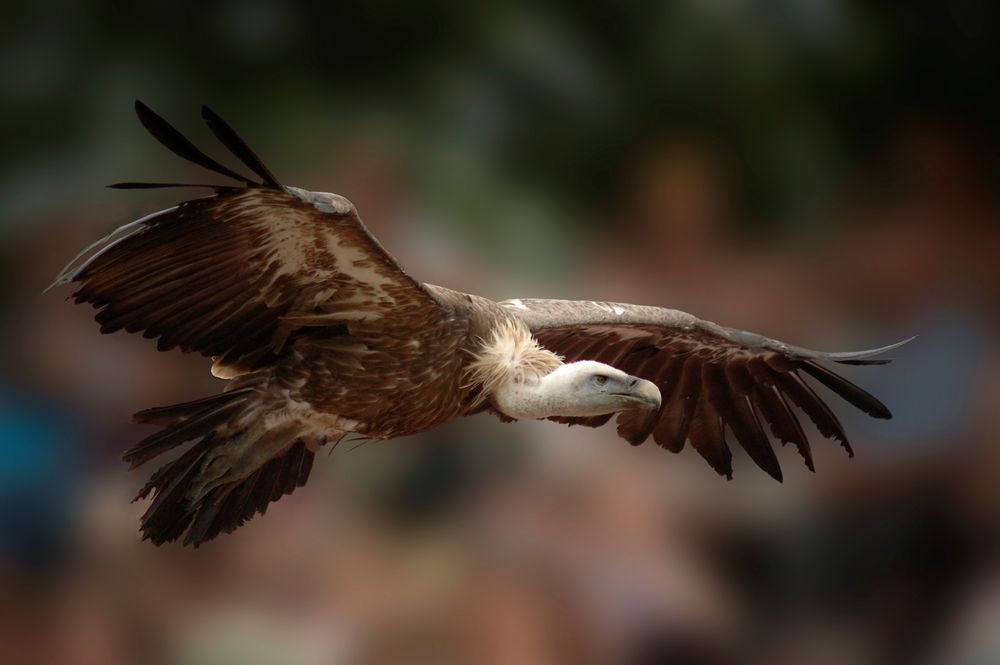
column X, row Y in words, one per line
column 514, row 303
column 356, row 265
column 325, row 201
column 609, row 307
column 360, row 285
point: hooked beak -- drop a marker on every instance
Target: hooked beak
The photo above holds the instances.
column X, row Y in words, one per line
column 644, row 393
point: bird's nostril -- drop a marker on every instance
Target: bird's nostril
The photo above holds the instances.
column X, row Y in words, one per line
column 631, row 384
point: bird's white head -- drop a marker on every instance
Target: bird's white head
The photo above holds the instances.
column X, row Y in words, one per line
column 579, row 389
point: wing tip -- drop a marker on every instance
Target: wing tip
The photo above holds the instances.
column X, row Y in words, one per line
column 176, row 142
column 844, row 357
column 229, row 137
column 208, row 115
column 146, row 114
column 868, row 353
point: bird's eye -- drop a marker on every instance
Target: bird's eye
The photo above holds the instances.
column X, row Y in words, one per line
column 600, row 379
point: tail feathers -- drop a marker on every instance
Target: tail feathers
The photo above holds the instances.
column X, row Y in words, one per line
column 184, row 422
column 233, row 469
column 168, row 415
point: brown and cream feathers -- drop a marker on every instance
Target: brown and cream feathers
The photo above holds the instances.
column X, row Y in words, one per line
column 322, row 333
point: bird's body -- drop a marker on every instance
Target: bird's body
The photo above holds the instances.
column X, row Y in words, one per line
column 321, row 334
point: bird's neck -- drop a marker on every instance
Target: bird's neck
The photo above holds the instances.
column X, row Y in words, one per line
column 539, row 397
column 511, row 369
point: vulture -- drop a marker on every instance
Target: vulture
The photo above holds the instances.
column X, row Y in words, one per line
column 321, row 333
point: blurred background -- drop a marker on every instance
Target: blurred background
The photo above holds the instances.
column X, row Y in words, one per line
column 821, row 172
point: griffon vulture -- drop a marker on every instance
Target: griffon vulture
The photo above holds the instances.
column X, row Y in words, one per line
column 321, row 333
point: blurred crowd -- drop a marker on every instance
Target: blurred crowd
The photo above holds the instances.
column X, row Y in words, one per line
column 483, row 542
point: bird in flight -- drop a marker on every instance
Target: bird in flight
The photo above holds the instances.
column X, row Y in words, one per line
column 321, row 334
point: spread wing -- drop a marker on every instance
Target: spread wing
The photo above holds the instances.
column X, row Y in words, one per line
column 719, row 386
column 233, row 274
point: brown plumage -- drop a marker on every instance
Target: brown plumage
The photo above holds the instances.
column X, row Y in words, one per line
column 323, row 334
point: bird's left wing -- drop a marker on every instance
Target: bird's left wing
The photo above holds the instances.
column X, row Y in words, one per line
column 233, row 274
column 719, row 385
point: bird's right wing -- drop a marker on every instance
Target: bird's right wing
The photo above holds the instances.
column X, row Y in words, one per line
column 718, row 384
column 233, row 274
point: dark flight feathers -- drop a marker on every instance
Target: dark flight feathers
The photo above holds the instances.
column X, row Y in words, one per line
column 238, row 146
column 715, row 391
column 177, row 143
